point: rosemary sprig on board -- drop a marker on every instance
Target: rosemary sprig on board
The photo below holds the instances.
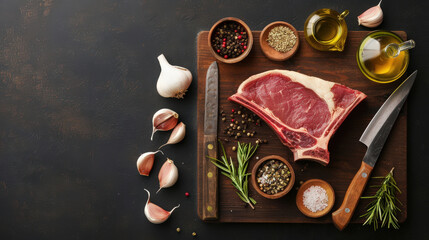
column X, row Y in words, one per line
column 383, row 208
column 238, row 175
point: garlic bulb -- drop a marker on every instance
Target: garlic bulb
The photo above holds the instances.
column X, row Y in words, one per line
column 145, row 162
column 163, row 120
column 177, row 135
column 154, row 213
column 173, row 81
column 167, row 175
column 371, row 17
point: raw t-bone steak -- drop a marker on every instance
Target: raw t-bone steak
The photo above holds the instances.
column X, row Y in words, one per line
column 304, row 111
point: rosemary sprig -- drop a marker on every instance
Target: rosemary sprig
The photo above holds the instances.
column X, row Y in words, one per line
column 383, row 208
column 238, row 175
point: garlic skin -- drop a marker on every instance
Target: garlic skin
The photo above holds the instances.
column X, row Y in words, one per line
column 177, row 135
column 154, row 213
column 145, row 162
column 163, row 120
column 372, row 17
column 173, row 81
column 168, row 175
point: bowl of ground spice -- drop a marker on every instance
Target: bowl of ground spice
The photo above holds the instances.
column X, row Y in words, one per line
column 273, row 177
column 279, row 41
column 230, row 40
column 315, row 198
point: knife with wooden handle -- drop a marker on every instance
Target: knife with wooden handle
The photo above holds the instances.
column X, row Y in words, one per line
column 209, row 208
column 374, row 137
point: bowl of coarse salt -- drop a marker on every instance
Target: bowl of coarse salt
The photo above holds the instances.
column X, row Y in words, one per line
column 315, row 198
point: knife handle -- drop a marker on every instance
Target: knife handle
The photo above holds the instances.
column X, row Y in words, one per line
column 342, row 216
column 209, row 179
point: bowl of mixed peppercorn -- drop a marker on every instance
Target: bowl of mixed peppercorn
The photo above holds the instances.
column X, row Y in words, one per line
column 273, row 177
column 230, row 40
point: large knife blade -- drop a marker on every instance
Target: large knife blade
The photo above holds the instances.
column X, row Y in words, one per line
column 209, row 208
column 374, row 137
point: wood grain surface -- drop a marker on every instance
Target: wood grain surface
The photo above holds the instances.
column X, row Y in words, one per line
column 346, row 152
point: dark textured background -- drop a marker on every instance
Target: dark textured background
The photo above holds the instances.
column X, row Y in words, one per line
column 77, row 94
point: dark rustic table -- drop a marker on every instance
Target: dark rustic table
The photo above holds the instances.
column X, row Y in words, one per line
column 77, row 96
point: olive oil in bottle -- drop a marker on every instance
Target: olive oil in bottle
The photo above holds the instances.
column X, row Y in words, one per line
column 374, row 59
column 326, row 30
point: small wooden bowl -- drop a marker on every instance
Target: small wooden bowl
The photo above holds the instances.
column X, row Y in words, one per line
column 249, row 41
column 300, row 195
column 270, row 52
column 255, row 182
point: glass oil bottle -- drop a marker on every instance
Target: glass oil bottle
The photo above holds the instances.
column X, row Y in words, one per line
column 383, row 57
column 326, row 30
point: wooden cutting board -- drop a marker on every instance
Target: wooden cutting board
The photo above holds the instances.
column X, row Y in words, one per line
column 346, row 152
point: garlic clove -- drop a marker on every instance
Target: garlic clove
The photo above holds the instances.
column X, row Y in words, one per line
column 372, row 17
column 177, row 135
column 168, row 175
column 145, row 162
column 154, row 213
column 173, row 81
column 163, row 120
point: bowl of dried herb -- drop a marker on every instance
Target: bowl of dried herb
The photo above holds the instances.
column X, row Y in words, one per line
column 279, row 41
column 273, row 177
column 230, row 40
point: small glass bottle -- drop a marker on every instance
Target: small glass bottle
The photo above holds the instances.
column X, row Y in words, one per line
column 326, row 30
column 383, row 57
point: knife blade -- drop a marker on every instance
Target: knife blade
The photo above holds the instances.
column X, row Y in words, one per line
column 374, row 137
column 210, row 185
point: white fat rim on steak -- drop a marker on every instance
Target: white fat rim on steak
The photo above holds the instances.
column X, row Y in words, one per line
column 321, row 87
